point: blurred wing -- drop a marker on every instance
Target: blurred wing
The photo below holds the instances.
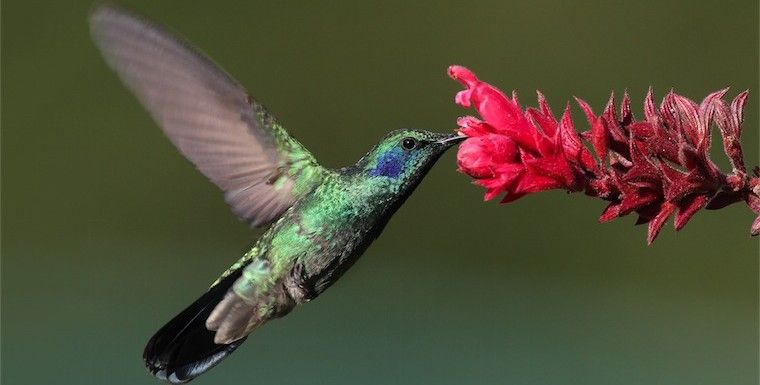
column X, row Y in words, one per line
column 211, row 118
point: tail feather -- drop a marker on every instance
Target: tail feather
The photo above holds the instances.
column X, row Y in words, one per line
column 184, row 348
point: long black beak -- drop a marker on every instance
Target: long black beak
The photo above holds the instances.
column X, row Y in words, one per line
column 451, row 140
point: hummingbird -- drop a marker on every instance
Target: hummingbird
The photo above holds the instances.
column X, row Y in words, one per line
column 318, row 221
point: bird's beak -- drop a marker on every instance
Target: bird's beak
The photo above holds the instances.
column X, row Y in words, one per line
column 451, row 140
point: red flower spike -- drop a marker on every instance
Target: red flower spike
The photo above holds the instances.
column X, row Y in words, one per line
column 655, row 167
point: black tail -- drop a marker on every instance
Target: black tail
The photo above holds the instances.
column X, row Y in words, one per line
column 184, row 349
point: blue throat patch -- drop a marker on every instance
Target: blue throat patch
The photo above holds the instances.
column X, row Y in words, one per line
column 390, row 164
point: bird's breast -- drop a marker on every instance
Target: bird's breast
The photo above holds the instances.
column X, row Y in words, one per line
column 338, row 223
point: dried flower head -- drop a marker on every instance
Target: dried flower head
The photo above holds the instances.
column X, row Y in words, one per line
column 654, row 167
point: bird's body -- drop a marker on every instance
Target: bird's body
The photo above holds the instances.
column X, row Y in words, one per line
column 320, row 236
column 320, row 220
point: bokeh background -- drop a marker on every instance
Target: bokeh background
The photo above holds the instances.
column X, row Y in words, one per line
column 107, row 231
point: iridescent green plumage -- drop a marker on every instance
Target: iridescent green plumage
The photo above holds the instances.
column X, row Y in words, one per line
column 321, row 220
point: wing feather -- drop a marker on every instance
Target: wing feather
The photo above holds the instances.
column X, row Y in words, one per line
column 208, row 115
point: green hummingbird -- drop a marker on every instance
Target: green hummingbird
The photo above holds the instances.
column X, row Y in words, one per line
column 319, row 220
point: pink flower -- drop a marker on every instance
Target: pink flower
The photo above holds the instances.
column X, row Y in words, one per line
column 656, row 167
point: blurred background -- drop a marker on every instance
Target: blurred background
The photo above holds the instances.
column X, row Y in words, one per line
column 108, row 232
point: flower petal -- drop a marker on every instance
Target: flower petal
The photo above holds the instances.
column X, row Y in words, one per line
column 658, row 221
column 687, row 209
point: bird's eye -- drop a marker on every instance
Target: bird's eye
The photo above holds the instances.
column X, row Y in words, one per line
column 408, row 143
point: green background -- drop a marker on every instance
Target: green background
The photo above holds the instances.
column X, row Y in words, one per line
column 108, row 232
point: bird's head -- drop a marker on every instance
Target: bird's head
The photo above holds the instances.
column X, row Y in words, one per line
column 403, row 157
